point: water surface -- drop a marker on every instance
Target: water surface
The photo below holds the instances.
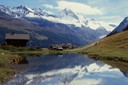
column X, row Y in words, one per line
column 68, row 69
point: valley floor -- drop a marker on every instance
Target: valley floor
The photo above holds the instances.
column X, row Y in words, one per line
column 112, row 50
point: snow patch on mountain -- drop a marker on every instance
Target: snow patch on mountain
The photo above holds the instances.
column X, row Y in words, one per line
column 65, row 16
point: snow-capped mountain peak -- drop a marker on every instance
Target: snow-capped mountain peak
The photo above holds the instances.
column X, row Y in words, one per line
column 25, row 8
column 71, row 27
column 20, row 11
column 67, row 11
column 5, row 9
column 23, row 11
column 68, row 14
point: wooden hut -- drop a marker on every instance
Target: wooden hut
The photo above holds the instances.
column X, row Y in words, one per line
column 18, row 40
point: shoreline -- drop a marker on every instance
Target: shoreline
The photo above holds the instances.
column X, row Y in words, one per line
column 112, row 58
column 46, row 52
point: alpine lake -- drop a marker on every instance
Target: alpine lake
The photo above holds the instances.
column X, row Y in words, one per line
column 69, row 69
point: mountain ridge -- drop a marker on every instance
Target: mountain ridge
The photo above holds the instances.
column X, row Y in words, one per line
column 24, row 11
column 50, row 29
column 121, row 27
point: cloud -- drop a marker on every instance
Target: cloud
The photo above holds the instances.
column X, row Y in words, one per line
column 48, row 6
column 111, row 19
column 76, row 7
column 80, row 8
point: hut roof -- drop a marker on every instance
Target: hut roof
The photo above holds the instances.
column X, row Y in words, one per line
column 17, row 36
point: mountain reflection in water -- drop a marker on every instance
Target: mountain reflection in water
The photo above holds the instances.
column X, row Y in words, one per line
column 68, row 69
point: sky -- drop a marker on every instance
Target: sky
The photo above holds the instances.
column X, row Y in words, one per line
column 106, row 11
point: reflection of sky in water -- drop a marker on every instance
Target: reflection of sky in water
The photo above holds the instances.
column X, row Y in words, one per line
column 69, row 70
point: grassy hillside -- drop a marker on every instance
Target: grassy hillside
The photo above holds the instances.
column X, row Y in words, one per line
column 115, row 46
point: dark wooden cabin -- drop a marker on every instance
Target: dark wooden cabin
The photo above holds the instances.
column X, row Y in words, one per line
column 18, row 40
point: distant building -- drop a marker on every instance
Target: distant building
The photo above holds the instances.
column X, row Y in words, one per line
column 19, row 40
column 62, row 46
column 56, row 47
column 68, row 46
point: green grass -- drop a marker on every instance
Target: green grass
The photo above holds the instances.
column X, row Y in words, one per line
column 6, row 74
column 32, row 50
column 110, row 47
column 19, row 49
column 4, row 57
